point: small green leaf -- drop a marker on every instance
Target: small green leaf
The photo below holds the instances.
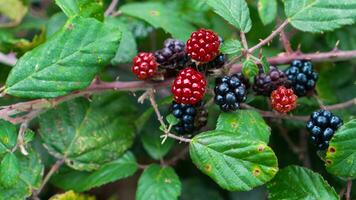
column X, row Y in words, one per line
column 249, row 68
column 9, row 170
column 68, row 61
column 84, row 8
column 231, row 47
column 341, row 154
column 69, row 179
column 265, row 64
column 128, row 48
column 235, row 12
column 29, row 178
column 158, row 183
column 244, row 122
column 160, row 16
column 233, row 161
column 70, row 195
column 172, row 120
column 8, row 136
column 320, row 15
column 295, row 182
column 88, row 135
column 14, row 10
column 267, row 10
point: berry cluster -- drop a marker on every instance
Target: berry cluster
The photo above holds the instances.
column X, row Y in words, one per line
column 283, row 99
column 322, row 126
column 302, row 77
column 191, row 117
column 229, row 92
column 172, row 55
column 264, row 84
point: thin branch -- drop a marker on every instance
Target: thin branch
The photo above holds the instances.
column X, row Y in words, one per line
column 285, row 42
column 111, row 7
column 53, row 170
column 8, row 59
column 343, row 105
column 348, row 190
column 269, row 38
column 243, row 40
column 179, row 138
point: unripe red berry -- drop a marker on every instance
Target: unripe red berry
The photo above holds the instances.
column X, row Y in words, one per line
column 283, row 99
column 203, row 45
column 189, row 86
column 144, row 65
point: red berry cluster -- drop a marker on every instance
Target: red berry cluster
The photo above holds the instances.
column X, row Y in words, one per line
column 203, row 45
column 283, row 99
column 189, row 86
column 144, row 65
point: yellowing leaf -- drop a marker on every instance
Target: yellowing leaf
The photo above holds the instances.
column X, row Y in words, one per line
column 72, row 196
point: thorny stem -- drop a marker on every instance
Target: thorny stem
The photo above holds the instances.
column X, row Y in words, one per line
column 348, row 189
column 53, row 170
column 111, row 7
column 285, row 42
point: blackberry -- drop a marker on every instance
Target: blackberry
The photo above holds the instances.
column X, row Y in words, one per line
column 191, row 117
column 218, row 62
column 229, row 92
column 322, row 126
column 264, row 84
column 302, row 77
column 172, row 55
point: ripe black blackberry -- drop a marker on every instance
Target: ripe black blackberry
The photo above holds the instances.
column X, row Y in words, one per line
column 218, row 62
column 302, row 77
column 264, row 84
column 172, row 55
column 191, row 117
column 322, row 126
column 229, row 92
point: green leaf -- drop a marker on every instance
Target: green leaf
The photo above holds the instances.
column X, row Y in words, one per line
column 153, row 145
column 233, row 161
column 231, row 47
column 9, row 170
column 84, row 8
column 158, row 183
column 246, row 123
column 70, row 195
column 344, row 37
column 235, row 12
column 88, row 135
column 8, row 136
column 69, row 179
column 128, row 48
column 160, row 16
column 249, row 68
column 30, row 177
column 55, row 23
column 172, row 120
column 320, row 15
column 341, row 154
column 265, row 64
column 267, row 10
column 297, row 183
column 68, row 61
column 14, row 10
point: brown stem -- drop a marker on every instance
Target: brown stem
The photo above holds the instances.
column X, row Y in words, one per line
column 269, row 38
column 111, row 7
column 53, row 170
column 269, row 114
column 345, row 104
column 286, row 43
column 348, row 190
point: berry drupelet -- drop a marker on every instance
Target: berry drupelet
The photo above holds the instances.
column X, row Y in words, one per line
column 191, row 117
column 322, row 126
column 144, row 65
column 302, row 77
column 203, row 45
column 264, row 84
column 172, row 55
column 283, row 99
column 229, row 93
column 189, row 86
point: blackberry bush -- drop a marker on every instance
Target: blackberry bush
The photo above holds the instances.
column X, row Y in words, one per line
column 264, row 84
column 302, row 77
